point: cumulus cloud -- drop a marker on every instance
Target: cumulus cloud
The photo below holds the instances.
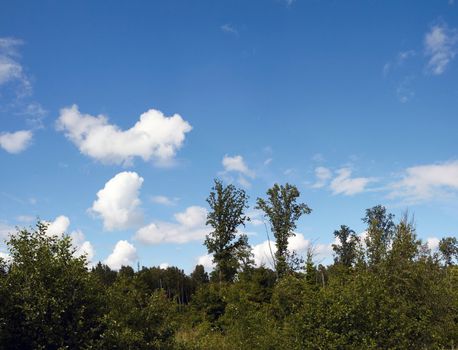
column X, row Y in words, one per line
column 433, row 243
column 265, row 251
column 206, row 261
column 424, row 182
column 188, row 226
column 59, row 226
column 118, row 202
column 154, row 137
column 15, row 142
column 440, row 47
column 343, row 183
column 124, row 254
column 323, row 175
column 164, row 266
column 83, row 247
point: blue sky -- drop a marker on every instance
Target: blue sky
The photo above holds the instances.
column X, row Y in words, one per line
column 115, row 119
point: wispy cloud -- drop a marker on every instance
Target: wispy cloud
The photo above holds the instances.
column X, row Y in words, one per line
column 11, row 70
column 347, row 185
column 440, row 47
column 323, row 175
column 426, row 182
column 404, row 91
column 229, row 29
column 236, row 165
column 164, row 200
column 398, row 61
column 340, row 181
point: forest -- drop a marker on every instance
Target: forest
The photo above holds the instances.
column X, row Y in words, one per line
column 386, row 290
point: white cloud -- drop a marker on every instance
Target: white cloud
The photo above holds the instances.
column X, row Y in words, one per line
column 236, row 164
column 25, row 218
column 227, row 28
column 264, row 251
column 256, row 217
column 15, row 142
column 189, row 226
column 424, row 182
column 440, row 46
column 154, row 137
column 206, row 261
column 433, row 243
column 164, row 266
column 164, row 200
column 10, row 68
column 343, row 183
column 404, row 91
column 83, row 247
column 6, row 257
column 58, row 226
column 123, row 254
column 5, row 231
column 323, row 175
column 117, row 203
column 401, row 57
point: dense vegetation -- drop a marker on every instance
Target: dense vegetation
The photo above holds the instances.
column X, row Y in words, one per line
column 386, row 291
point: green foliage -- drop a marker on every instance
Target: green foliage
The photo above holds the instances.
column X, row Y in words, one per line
column 282, row 211
column 346, row 252
column 391, row 294
column 49, row 300
column 137, row 320
column 227, row 213
column 448, row 247
column 380, row 232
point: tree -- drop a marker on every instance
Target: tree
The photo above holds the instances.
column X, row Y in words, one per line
column 380, row 233
column 51, row 301
column 104, row 274
column 199, row 276
column 227, row 213
column 282, row 210
column 346, row 251
column 448, row 247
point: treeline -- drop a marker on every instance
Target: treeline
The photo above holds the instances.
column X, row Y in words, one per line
column 386, row 290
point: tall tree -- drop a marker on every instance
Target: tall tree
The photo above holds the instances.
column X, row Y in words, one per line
column 227, row 213
column 347, row 250
column 282, row 211
column 380, row 232
column 448, row 248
